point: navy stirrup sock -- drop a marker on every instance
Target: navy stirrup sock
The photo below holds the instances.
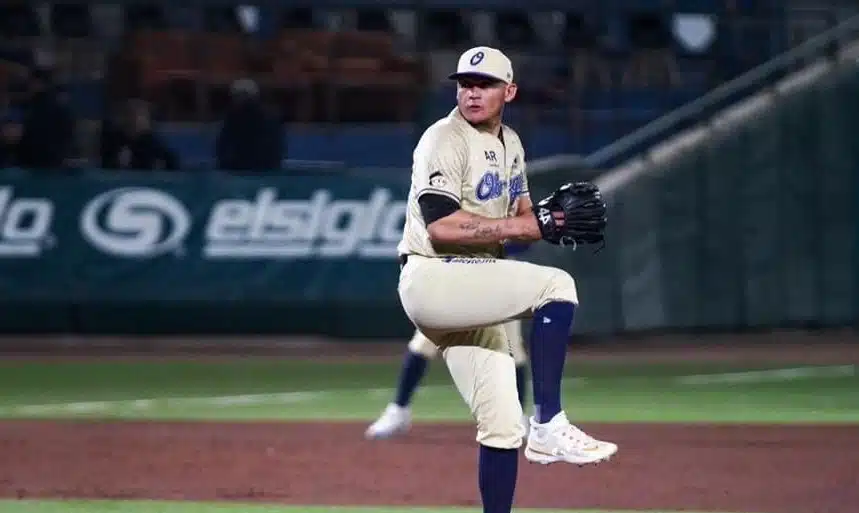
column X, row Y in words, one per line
column 414, row 368
column 549, row 337
column 497, row 478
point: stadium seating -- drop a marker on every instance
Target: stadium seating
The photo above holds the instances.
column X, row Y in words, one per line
column 360, row 86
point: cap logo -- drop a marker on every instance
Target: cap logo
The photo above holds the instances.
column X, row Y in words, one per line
column 477, row 58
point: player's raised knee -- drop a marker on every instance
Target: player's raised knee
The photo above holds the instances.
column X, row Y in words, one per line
column 560, row 287
column 505, row 431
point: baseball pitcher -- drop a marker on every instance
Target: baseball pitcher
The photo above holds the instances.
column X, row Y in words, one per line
column 468, row 196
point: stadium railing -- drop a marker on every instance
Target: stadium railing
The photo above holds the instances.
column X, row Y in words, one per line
column 699, row 112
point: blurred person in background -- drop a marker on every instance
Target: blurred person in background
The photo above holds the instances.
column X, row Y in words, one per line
column 10, row 135
column 251, row 137
column 129, row 142
column 14, row 70
column 47, row 138
column 652, row 58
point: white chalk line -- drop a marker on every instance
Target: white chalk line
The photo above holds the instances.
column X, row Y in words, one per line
column 159, row 402
column 298, row 397
column 277, row 398
column 142, row 405
column 769, row 375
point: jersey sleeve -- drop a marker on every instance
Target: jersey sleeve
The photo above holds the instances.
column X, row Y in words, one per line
column 526, row 191
column 440, row 164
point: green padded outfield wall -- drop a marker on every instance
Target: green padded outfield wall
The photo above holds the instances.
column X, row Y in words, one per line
column 755, row 228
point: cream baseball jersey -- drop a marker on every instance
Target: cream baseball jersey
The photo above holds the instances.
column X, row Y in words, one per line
column 478, row 170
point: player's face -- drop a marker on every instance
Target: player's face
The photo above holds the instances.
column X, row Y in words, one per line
column 481, row 100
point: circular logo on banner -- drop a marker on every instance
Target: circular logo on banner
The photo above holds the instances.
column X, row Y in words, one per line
column 477, row 58
column 135, row 222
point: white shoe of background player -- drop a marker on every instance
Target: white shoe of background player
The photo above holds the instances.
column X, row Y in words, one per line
column 526, row 423
column 395, row 420
column 560, row 441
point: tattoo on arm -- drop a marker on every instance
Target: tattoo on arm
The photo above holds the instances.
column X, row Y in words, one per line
column 479, row 231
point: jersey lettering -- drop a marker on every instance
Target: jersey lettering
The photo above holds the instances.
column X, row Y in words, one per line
column 490, row 187
column 517, row 187
column 470, row 260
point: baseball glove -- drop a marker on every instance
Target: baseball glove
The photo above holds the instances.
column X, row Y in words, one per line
column 572, row 215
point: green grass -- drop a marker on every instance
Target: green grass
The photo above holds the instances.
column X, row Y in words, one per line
column 198, row 507
column 290, row 390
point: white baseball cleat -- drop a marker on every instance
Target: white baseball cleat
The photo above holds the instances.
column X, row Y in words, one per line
column 395, row 420
column 560, row 441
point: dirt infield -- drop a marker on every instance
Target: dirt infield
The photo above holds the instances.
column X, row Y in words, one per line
column 659, row 467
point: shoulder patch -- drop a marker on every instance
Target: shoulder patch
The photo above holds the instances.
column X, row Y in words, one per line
column 437, row 180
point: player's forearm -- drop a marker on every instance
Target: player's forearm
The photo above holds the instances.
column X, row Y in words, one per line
column 465, row 228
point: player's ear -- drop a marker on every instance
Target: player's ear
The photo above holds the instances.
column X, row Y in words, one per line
column 509, row 93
